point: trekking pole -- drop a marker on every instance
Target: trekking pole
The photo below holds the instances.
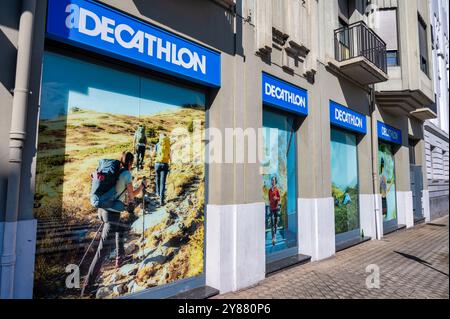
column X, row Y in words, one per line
column 143, row 215
column 90, row 245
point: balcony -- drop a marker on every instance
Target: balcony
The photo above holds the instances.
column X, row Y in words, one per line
column 360, row 54
column 412, row 102
column 426, row 113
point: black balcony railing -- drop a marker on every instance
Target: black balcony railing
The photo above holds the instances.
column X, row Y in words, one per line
column 358, row 40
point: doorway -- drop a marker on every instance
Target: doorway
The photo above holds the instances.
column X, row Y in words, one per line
column 416, row 180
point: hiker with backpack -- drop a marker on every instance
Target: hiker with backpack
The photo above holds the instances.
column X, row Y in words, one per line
column 140, row 143
column 162, row 166
column 111, row 184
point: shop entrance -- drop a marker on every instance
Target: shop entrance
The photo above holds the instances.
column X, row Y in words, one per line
column 280, row 184
column 345, row 185
column 416, row 179
column 386, row 171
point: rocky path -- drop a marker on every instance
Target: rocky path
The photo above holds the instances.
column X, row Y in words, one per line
column 152, row 241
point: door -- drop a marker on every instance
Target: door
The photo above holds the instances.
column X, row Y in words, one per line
column 416, row 189
column 280, row 184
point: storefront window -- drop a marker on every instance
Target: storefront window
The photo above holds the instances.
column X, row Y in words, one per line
column 90, row 116
column 280, row 181
column 386, row 164
column 344, row 178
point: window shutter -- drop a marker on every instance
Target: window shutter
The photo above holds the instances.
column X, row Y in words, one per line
column 387, row 28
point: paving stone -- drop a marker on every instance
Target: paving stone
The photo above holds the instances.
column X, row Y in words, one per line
column 414, row 264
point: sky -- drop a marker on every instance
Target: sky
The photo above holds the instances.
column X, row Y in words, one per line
column 69, row 82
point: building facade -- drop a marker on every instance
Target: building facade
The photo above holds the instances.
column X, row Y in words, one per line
column 436, row 130
column 277, row 132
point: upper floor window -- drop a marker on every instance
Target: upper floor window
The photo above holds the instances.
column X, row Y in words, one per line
column 386, row 28
column 423, row 45
column 392, row 57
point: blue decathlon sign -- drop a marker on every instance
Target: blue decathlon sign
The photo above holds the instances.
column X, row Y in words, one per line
column 343, row 117
column 98, row 28
column 283, row 95
column 389, row 134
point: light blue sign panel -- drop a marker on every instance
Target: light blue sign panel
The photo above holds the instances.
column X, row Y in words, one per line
column 343, row 117
column 283, row 95
column 389, row 134
column 98, row 28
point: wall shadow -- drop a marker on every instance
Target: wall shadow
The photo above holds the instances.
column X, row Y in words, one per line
column 9, row 19
column 195, row 18
column 8, row 53
column 359, row 102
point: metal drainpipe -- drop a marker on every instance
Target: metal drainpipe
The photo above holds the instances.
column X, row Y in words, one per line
column 17, row 137
column 376, row 188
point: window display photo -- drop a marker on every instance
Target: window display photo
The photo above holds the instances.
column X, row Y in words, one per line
column 344, row 176
column 279, row 181
column 120, row 181
column 386, row 164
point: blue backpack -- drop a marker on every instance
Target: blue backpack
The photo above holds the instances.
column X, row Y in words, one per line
column 104, row 179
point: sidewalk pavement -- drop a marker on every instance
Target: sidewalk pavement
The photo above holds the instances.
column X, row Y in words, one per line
column 412, row 263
